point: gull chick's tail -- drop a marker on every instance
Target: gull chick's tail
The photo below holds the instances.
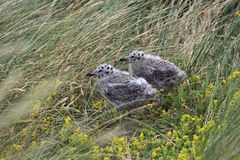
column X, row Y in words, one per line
column 182, row 76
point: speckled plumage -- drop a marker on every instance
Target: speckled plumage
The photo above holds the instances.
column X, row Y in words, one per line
column 161, row 73
column 123, row 90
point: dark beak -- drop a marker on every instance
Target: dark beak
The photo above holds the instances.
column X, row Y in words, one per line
column 123, row 59
column 91, row 74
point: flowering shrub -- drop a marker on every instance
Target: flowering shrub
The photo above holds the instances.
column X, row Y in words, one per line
column 183, row 142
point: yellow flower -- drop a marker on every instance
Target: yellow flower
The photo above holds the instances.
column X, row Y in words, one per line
column 209, row 89
column 184, row 104
column 25, row 131
column 165, row 150
column 151, row 133
column 175, row 134
column 96, row 152
column 141, row 136
column 210, row 86
column 196, row 78
column 185, row 127
column 186, row 137
column 155, row 151
column 201, row 130
column 186, row 143
column 16, row 147
column 122, row 140
column 78, row 136
column 98, row 105
column 178, row 140
column 36, row 106
column 47, row 120
column 235, row 74
column 195, row 137
column 185, row 117
column 183, row 155
column 154, row 154
column 109, row 149
column 178, row 132
column 34, row 144
column 215, row 102
column 120, row 150
column 198, row 158
column 67, row 122
column 211, row 124
column 83, row 138
column 199, row 119
column 235, row 98
column 106, row 158
column 119, row 141
column 136, row 143
column 58, row 82
column 49, row 99
column 168, row 144
column 165, row 114
column 150, row 106
column 238, row 13
column 169, row 134
column 224, row 82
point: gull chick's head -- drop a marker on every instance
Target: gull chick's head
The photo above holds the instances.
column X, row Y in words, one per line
column 101, row 71
column 134, row 56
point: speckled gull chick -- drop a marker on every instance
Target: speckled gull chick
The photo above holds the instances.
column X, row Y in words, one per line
column 122, row 90
column 161, row 73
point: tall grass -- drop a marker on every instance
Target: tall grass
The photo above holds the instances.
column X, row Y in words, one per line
column 63, row 40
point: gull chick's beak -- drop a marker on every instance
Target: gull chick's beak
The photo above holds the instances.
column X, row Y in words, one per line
column 123, row 59
column 91, row 74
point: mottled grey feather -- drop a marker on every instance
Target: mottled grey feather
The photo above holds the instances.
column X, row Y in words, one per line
column 123, row 90
column 158, row 72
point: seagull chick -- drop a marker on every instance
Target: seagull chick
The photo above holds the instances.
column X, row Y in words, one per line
column 160, row 73
column 122, row 90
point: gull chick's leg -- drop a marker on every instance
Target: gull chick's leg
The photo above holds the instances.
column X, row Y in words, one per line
column 121, row 125
column 158, row 102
